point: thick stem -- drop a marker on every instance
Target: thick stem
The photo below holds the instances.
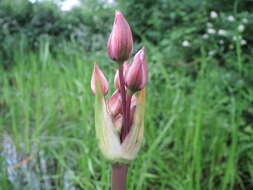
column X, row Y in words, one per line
column 119, row 176
column 128, row 109
column 123, row 96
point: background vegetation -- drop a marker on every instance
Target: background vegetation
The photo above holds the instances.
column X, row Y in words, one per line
column 198, row 124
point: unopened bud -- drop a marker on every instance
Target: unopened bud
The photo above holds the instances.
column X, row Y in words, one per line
column 114, row 103
column 98, row 78
column 120, row 43
column 137, row 73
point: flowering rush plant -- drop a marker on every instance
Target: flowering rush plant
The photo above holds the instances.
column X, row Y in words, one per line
column 119, row 120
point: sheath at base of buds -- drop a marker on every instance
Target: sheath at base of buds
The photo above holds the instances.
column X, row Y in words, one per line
column 120, row 43
column 108, row 129
column 137, row 73
column 116, row 78
column 118, row 121
column 98, row 78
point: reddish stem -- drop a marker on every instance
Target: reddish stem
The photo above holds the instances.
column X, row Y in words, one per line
column 123, row 96
column 119, row 176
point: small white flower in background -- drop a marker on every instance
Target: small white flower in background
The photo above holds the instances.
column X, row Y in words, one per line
column 231, row 18
column 243, row 42
column 235, row 38
column 211, row 31
column 186, row 43
column 231, row 46
column 221, row 42
column 222, row 32
column 245, row 20
column 211, row 53
column 209, row 25
column 213, row 14
column 205, row 36
column 241, row 28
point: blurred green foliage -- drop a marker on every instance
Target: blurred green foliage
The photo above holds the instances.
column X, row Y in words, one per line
column 164, row 23
column 167, row 23
column 200, row 96
column 32, row 23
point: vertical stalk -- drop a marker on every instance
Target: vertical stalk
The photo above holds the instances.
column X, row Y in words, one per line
column 238, row 53
column 119, row 176
column 123, row 96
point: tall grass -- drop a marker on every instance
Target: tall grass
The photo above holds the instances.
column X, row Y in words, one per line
column 195, row 132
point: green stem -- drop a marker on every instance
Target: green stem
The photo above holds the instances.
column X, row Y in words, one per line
column 238, row 53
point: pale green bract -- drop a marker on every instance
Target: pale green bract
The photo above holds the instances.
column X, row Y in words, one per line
column 108, row 137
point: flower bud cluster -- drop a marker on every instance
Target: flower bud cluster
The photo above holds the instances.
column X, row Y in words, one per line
column 121, row 115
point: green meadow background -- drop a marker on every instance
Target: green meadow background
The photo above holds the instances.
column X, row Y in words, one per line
column 199, row 109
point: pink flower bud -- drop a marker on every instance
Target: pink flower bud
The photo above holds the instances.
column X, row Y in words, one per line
column 116, row 78
column 137, row 73
column 98, row 78
column 114, row 103
column 120, row 43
